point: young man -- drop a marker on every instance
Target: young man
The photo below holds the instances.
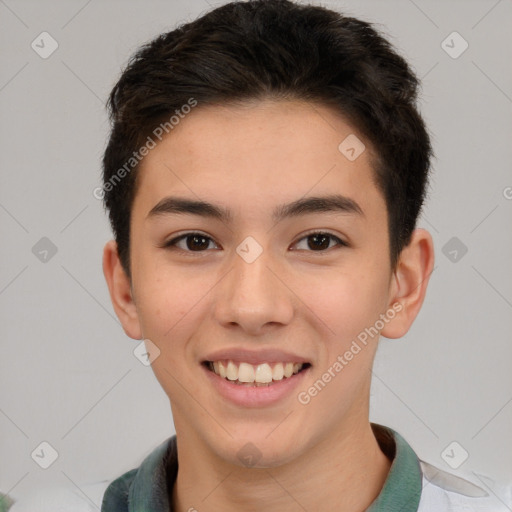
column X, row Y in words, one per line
column 264, row 175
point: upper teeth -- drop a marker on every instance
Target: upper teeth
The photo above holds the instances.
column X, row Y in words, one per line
column 261, row 373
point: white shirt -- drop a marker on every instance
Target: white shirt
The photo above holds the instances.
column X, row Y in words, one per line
column 437, row 496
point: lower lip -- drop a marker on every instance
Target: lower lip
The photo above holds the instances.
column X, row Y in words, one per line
column 255, row 396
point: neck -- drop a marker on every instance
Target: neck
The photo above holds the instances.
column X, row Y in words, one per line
column 347, row 471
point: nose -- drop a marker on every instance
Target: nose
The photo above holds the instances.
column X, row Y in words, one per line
column 253, row 296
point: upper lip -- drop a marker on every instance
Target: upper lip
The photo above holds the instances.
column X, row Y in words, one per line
column 255, row 356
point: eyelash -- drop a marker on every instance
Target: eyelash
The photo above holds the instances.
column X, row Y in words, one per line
column 171, row 244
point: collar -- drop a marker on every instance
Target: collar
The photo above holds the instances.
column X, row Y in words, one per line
column 403, row 485
column 149, row 486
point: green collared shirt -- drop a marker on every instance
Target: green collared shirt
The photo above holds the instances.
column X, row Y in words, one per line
column 148, row 487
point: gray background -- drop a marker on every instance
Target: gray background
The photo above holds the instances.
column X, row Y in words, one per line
column 67, row 372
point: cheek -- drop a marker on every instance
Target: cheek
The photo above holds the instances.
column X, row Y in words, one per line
column 171, row 307
column 163, row 304
column 347, row 302
column 166, row 313
column 349, row 305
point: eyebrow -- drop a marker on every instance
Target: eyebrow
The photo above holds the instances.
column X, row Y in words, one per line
column 335, row 203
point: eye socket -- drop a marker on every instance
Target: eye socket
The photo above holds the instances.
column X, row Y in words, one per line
column 203, row 241
column 322, row 236
column 196, row 237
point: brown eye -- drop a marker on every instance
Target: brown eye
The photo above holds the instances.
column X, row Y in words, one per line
column 320, row 241
column 193, row 242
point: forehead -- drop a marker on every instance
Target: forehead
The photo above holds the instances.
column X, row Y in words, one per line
column 257, row 152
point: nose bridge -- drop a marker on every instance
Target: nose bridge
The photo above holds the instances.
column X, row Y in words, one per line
column 251, row 294
column 251, row 277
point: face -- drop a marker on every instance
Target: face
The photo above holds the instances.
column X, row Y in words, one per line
column 259, row 279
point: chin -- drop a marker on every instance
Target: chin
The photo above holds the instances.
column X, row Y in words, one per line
column 257, row 449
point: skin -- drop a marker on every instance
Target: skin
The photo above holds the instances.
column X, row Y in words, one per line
column 314, row 302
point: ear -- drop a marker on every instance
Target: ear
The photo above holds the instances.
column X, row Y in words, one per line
column 409, row 283
column 120, row 291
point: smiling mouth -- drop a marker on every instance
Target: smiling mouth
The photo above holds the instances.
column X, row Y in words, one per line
column 246, row 374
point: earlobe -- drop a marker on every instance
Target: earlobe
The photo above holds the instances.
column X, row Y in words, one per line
column 410, row 282
column 120, row 291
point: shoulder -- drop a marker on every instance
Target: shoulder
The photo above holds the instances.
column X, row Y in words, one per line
column 115, row 497
column 86, row 498
column 443, row 491
column 111, row 495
